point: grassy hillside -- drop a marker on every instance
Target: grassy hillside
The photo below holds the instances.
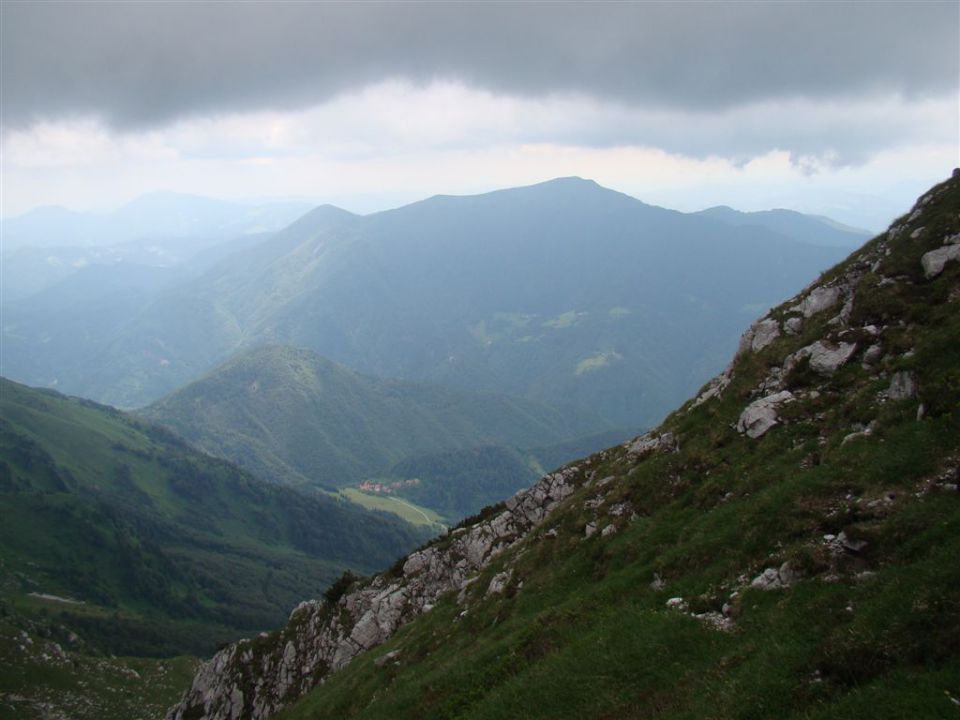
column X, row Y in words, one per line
column 168, row 549
column 294, row 417
column 783, row 546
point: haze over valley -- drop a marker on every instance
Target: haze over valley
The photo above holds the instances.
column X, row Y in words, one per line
column 479, row 360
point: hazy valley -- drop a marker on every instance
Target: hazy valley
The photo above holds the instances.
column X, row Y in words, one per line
column 479, row 361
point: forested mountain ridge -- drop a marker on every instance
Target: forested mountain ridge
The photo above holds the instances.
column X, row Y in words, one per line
column 562, row 292
column 783, row 545
column 291, row 416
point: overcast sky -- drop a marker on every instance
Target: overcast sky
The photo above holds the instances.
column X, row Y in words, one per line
column 845, row 108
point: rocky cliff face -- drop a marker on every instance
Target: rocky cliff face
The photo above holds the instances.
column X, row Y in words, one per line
column 255, row 678
column 823, row 365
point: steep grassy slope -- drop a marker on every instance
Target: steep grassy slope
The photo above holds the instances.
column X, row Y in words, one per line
column 785, row 545
column 292, row 416
column 563, row 292
column 178, row 549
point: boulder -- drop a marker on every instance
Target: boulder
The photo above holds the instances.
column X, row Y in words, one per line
column 765, row 332
column 650, row 443
column 499, row 582
column 818, row 300
column 872, row 354
column 761, row 415
column 677, row 603
column 769, row 579
column 826, row 357
column 934, row 261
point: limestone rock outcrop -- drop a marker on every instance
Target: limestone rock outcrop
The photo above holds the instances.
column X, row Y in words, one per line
column 253, row 679
column 761, row 415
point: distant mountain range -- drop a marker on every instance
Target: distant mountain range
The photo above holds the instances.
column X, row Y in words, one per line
column 564, row 293
column 811, row 229
column 154, row 216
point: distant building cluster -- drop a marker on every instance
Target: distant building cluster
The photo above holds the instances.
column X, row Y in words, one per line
column 386, row 488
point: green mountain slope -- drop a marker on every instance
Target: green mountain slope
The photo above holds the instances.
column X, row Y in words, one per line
column 563, row 292
column 292, row 416
column 459, row 483
column 784, row 545
column 168, row 549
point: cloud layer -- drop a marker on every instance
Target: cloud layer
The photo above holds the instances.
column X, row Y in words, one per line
column 138, row 65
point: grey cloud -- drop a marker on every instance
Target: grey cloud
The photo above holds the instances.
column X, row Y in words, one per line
column 142, row 64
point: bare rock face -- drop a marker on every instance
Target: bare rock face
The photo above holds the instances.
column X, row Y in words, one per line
column 818, row 300
column 759, row 335
column 825, row 357
column 761, row 415
column 773, row 578
column 713, row 389
column 903, row 386
column 792, row 326
column 252, row 680
column 934, row 261
column 650, row 443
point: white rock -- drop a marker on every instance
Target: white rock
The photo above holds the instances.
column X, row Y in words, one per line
column 761, row 415
column 608, row 530
column 788, row 576
column 499, row 582
column 934, row 261
column 649, row 443
column 713, row 389
column 792, row 326
column 764, row 333
column 677, row 603
column 826, row 358
column 769, row 579
column 819, row 299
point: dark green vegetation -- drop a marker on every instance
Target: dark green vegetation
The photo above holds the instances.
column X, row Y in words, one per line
column 459, row 483
column 169, row 550
column 564, row 293
column 868, row 525
column 291, row 416
column 48, row 672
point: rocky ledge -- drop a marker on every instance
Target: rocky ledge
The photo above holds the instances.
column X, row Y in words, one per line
column 255, row 678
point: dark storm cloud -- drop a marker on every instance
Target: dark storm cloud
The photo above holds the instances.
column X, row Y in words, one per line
column 141, row 64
